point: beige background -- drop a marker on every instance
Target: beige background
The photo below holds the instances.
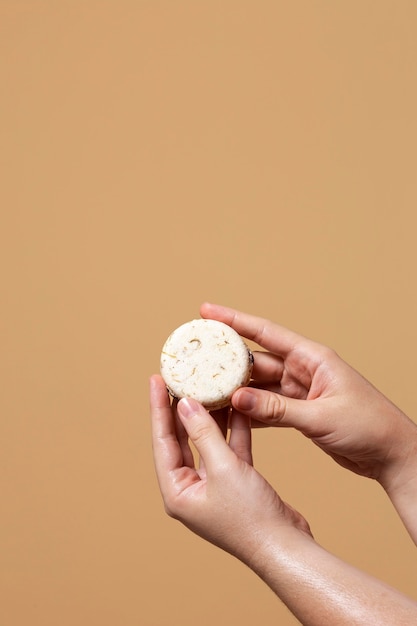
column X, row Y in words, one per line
column 155, row 154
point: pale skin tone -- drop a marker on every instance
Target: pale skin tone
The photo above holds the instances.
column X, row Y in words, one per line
column 301, row 384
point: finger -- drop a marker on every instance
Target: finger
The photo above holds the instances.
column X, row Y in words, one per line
column 271, row 372
column 265, row 333
column 221, row 417
column 267, row 367
column 204, row 433
column 276, row 410
column 168, row 455
column 241, row 436
column 182, row 436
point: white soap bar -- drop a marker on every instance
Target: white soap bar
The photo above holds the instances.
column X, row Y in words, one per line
column 205, row 360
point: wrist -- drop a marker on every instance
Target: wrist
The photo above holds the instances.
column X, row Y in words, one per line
column 399, row 479
column 275, row 546
column 401, row 466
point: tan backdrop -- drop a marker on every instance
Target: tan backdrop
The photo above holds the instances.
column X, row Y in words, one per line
column 155, row 154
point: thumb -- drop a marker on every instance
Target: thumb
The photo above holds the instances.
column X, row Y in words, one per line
column 204, row 432
column 273, row 409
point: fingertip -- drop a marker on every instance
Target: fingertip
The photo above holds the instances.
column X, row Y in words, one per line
column 206, row 308
column 244, row 399
column 187, row 407
column 158, row 392
column 209, row 310
column 154, row 381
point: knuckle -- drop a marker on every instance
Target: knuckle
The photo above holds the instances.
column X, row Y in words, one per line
column 200, row 433
column 326, row 354
column 275, row 407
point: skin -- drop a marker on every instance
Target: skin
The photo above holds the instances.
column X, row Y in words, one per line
column 222, row 498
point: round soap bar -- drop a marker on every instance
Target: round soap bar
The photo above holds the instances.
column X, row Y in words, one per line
column 205, row 360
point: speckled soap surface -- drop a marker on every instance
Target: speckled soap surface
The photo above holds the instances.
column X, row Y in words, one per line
column 205, row 360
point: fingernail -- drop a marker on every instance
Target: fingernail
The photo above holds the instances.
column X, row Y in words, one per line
column 245, row 400
column 188, row 407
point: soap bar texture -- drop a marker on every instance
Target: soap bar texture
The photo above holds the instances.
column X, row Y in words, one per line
column 205, row 360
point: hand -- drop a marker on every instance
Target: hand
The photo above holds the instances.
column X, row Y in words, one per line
column 224, row 500
column 303, row 384
column 227, row 502
column 306, row 385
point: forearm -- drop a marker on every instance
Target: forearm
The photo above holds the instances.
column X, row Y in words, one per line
column 319, row 588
